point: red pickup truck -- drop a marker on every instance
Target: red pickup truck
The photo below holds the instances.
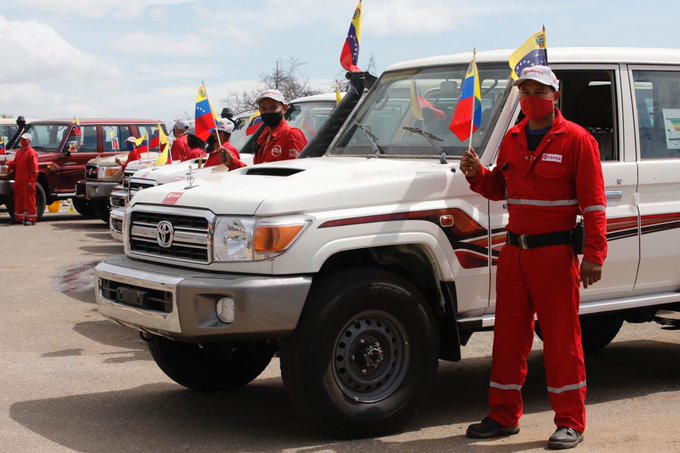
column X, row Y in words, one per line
column 63, row 152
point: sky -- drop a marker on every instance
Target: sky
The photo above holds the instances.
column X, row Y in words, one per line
column 147, row 58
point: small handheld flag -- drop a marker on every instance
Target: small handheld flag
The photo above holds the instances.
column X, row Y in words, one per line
column 204, row 115
column 349, row 56
column 163, row 140
column 254, row 123
column 76, row 127
column 534, row 52
column 468, row 114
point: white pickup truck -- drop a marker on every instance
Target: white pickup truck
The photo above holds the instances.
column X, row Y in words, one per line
column 368, row 265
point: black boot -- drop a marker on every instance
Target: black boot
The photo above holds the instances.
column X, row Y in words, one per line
column 564, row 438
column 489, row 428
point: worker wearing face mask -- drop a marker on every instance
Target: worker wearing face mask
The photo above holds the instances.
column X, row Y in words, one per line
column 279, row 141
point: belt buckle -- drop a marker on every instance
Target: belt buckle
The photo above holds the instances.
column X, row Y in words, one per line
column 523, row 244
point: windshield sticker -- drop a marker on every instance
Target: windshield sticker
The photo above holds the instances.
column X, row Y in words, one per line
column 671, row 118
column 172, row 197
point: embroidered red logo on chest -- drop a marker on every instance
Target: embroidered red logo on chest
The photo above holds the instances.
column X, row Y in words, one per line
column 276, row 151
column 552, row 158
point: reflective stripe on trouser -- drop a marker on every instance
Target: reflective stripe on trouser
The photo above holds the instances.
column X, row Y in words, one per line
column 24, row 202
column 544, row 281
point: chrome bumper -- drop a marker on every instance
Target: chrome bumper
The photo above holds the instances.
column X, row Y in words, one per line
column 99, row 189
column 265, row 306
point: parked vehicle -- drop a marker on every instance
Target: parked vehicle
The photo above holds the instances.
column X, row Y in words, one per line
column 62, row 156
column 103, row 174
column 366, row 266
column 308, row 113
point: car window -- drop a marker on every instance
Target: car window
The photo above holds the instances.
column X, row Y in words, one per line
column 6, row 132
column 587, row 98
column 46, row 137
column 146, row 129
column 657, row 101
column 88, row 139
column 309, row 116
column 112, row 137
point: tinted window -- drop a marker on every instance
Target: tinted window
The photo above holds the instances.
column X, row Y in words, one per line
column 88, row 139
column 657, row 100
column 112, row 137
column 46, row 137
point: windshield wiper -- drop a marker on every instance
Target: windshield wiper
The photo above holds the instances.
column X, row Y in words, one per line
column 377, row 150
column 430, row 138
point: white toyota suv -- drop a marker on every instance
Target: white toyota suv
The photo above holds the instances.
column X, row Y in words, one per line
column 367, row 266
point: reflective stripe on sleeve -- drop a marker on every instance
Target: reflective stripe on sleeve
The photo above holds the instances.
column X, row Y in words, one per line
column 548, row 203
column 496, row 385
column 567, row 388
column 594, row 208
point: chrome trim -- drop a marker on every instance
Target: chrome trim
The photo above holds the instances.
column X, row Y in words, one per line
column 614, row 194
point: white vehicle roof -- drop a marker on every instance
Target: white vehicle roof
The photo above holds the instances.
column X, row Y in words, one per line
column 557, row 55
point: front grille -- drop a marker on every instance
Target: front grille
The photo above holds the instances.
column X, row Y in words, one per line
column 91, row 171
column 136, row 186
column 136, row 296
column 189, row 242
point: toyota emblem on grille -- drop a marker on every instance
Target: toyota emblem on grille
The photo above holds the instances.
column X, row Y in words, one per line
column 164, row 233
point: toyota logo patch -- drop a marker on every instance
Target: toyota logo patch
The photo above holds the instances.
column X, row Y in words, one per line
column 164, row 233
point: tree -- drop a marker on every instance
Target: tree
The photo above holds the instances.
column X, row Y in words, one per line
column 285, row 77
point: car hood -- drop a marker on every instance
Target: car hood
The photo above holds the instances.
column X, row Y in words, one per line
column 168, row 173
column 308, row 185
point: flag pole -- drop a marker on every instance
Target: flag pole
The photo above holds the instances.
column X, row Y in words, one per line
column 474, row 97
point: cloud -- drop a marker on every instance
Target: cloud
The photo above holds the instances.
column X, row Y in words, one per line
column 138, row 43
column 99, row 8
column 34, row 52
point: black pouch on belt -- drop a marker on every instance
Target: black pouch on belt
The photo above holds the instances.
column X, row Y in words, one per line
column 579, row 236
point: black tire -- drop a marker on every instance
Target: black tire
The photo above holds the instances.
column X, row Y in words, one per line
column 102, row 210
column 40, row 202
column 83, row 207
column 211, row 366
column 597, row 331
column 364, row 355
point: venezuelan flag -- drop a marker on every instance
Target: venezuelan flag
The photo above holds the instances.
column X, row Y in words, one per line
column 349, row 56
column 205, row 117
column 534, row 52
column 468, row 115
column 163, row 141
column 254, row 123
column 76, row 127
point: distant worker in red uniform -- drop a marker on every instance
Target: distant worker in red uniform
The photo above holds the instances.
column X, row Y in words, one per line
column 225, row 154
column 548, row 171
column 134, row 154
column 25, row 167
column 278, row 141
column 180, row 148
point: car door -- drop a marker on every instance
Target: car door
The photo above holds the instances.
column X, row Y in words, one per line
column 656, row 91
column 82, row 148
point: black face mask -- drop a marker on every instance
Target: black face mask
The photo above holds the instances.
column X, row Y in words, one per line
column 271, row 119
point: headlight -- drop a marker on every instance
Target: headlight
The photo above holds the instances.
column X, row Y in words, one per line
column 250, row 239
column 105, row 172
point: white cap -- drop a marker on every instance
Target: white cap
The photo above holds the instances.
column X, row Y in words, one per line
column 191, row 130
column 225, row 125
column 540, row 74
column 26, row 136
column 181, row 124
column 273, row 94
column 131, row 139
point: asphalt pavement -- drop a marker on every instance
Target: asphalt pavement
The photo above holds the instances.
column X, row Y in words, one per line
column 71, row 380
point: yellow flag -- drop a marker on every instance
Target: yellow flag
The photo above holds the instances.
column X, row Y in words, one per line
column 416, row 109
column 338, row 97
column 163, row 140
column 140, row 140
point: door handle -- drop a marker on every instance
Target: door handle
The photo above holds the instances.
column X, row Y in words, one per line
column 614, row 194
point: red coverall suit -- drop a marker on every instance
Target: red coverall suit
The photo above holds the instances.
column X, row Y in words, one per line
column 545, row 190
column 180, row 149
column 214, row 157
column 25, row 165
column 282, row 143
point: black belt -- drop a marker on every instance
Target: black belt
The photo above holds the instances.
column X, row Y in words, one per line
column 526, row 242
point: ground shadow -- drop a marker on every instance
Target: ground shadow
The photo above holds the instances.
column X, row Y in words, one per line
column 164, row 417
column 111, row 334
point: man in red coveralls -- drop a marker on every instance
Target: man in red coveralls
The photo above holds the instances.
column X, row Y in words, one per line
column 179, row 149
column 548, row 169
column 279, row 141
column 25, row 166
column 226, row 154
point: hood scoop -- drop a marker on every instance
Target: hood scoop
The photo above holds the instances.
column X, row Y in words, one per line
column 273, row 171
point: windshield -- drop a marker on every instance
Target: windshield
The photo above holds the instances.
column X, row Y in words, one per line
column 392, row 123
column 47, row 137
column 309, row 116
column 238, row 136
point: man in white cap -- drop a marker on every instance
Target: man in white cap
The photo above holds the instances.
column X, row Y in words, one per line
column 225, row 154
column 25, row 167
column 279, row 141
column 548, row 171
column 180, row 149
column 134, row 154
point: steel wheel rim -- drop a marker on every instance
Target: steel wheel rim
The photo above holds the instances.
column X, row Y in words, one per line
column 371, row 356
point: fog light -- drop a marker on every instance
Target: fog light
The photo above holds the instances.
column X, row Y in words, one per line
column 225, row 309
